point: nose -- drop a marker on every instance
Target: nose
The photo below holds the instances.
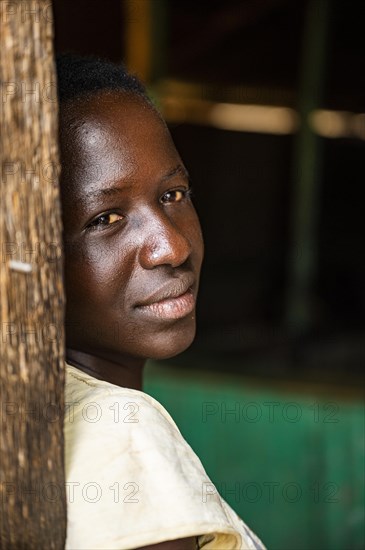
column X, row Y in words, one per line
column 164, row 244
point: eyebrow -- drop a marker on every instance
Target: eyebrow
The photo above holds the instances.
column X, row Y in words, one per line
column 110, row 191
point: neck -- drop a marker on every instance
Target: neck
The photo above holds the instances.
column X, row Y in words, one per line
column 126, row 373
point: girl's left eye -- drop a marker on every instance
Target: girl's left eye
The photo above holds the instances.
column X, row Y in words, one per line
column 176, row 195
column 105, row 220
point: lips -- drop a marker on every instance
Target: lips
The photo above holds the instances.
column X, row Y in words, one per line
column 173, row 288
column 174, row 300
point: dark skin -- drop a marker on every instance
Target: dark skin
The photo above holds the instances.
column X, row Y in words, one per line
column 129, row 228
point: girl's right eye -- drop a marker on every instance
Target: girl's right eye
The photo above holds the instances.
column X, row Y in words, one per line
column 105, row 220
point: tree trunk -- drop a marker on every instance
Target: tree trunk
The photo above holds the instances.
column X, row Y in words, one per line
column 32, row 489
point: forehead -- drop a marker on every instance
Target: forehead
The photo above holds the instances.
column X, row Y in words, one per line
column 113, row 136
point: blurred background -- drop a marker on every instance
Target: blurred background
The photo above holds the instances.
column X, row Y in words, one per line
column 265, row 102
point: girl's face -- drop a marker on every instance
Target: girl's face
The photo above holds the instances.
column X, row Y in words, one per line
column 132, row 236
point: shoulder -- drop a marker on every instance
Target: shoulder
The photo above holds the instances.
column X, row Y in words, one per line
column 94, row 405
column 105, row 421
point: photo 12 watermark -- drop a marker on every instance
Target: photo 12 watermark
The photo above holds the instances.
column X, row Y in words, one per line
column 273, row 491
column 91, row 412
column 23, row 11
column 73, row 491
column 253, row 412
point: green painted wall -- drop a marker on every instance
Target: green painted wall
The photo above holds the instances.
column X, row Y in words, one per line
column 289, row 460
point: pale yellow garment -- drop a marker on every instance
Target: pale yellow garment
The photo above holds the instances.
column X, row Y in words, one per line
column 132, row 479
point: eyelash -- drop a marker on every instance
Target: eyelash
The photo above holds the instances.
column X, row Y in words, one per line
column 92, row 226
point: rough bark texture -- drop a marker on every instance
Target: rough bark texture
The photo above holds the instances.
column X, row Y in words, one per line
column 32, row 491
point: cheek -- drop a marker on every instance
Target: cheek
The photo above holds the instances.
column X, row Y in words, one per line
column 96, row 273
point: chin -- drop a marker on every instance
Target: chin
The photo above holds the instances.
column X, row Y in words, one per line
column 169, row 345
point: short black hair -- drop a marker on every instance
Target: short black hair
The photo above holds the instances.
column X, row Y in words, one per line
column 84, row 76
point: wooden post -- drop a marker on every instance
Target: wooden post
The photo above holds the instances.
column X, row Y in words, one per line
column 32, row 488
column 300, row 311
column 145, row 38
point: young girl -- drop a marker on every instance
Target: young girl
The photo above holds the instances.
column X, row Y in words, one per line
column 133, row 252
